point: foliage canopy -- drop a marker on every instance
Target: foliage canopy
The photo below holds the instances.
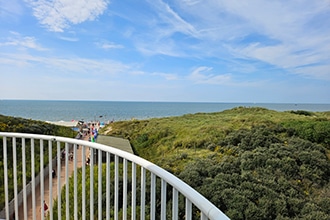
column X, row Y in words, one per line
column 252, row 163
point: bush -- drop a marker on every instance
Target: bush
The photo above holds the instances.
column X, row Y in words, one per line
column 302, row 112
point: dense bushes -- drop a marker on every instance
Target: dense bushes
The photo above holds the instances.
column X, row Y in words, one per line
column 269, row 178
column 252, row 163
column 317, row 131
column 301, row 112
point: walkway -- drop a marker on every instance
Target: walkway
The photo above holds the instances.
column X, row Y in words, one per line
column 46, row 188
column 119, row 143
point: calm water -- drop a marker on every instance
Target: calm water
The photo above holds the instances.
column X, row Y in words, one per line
column 108, row 110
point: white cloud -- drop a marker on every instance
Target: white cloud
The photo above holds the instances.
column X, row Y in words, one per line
column 307, row 61
column 10, row 9
column 162, row 25
column 167, row 76
column 56, row 15
column 205, row 75
column 23, row 42
column 8, row 61
column 174, row 22
column 300, row 42
column 321, row 71
column 200, row 75
column 285, row 34
column 63, row 66
column 166, row 47
column 87, row 66
column 109, row 45
column 197, row 73
column 191, row 2
column 70, row 39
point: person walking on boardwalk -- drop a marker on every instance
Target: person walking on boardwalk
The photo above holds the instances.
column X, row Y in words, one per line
column 53, row 173
column 92, row 137
column 45, row 207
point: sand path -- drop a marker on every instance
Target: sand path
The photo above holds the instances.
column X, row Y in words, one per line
column 54, row 186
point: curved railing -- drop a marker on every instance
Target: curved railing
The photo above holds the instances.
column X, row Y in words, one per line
column 134, row 187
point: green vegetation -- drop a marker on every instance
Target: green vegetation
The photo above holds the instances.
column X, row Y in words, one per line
column 95, row 192
column 110, row 198
column 252, row 163
column 12, row 124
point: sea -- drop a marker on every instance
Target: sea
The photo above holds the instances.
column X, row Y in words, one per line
column 106, row 111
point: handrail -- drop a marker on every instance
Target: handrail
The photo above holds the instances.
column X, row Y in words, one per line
column 205, row 206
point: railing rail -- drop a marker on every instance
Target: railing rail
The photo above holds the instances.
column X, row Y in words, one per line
column 148, row 194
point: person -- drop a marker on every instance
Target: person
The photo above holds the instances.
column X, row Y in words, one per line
column 63, row 155
column 71, row 156
column 95, row 134
column 92, row 138
column 45, row 207
column 88, row 161
column 53, row 173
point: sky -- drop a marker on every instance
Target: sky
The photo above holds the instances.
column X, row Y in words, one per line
column 256, row 51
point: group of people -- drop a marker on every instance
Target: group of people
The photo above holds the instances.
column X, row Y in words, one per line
column 93, row 133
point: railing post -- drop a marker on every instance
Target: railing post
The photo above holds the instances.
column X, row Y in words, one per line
column 50, row 178
column 133, row 191
column 99, row 184
column 116, row 188
column 42, row 187
column 67, row 199
column 75, row 193
column 108, row 187
column 33, row 174
column 24, row 179
column 143, row 193
column 59, row 161
column 203, row 216
column 83, row 182
column 5, row 167
column 163, row 199
column 15, row 177
column 124, row 189
column 91, row 186
column 175, row 209
column 152, row 196
column 188, row 209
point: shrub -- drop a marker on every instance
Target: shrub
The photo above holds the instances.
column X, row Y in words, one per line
column 302, row 112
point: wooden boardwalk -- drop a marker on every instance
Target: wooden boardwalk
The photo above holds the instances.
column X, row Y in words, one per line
column 53, row 190
column 119, row 143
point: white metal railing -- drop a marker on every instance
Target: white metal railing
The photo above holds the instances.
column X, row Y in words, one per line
column 134, row 188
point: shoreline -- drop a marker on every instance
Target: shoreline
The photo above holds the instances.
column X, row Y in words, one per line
column 107, row 111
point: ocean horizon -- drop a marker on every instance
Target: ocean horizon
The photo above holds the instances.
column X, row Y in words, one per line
column 65, row 110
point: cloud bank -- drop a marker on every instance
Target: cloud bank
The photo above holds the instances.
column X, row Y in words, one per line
column 56, row 15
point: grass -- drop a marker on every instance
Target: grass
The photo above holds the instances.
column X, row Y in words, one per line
column 252, row 163
column 164, row 140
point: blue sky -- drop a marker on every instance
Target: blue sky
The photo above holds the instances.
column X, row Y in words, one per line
column 173, row 50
